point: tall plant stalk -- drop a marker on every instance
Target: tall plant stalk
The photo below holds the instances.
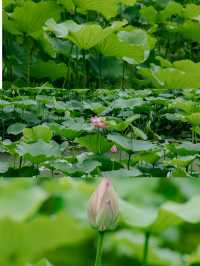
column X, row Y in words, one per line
column 99, row 248
column 146, row 249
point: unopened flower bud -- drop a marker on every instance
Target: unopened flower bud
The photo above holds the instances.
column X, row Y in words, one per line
column 98, row 122
column 103, row 210
column 114, row 149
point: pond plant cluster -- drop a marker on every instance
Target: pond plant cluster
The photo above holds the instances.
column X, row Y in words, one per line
column 100, row 133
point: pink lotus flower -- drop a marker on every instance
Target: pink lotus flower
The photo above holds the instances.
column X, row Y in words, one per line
column 103, row 209
column 114, row 149
column 98, row 122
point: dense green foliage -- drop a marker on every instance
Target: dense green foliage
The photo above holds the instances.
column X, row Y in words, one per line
column 134, row 63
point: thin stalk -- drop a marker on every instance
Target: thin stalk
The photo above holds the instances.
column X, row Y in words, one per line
column 123, row 75
column 20, row 162
column 29, row 65
column 99, row 249
column 100, row 71
column 129, row 160
column 85, row 80
column 146, row 249
column 99, row 141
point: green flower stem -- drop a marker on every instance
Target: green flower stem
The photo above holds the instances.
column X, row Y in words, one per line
column 99, row 248
column 129, row 160
column 146, row 249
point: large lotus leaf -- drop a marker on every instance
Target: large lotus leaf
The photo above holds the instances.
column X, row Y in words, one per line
column 68, row 4
column 124, row 103
column 4, row 167
column 193, row 119
column 80, row 168
column 41, row 132
column 131, row 244
column 122, row 125
column 39, row 151
column 96, row 143
column 123, row 173
column 40, row 235
column 43, row 262
column 31, row 16
column 190, row 30
column 88, row 36
column 149, row 13
column 136, row 216
column 138, row 37
column 113, row 46
column 49, row 69
column 16, row 128
column 192, row 11
column 9, row 25
column 77, row 124
column 7, row 3
column 63, row 131
column 183, row 75
column 131, row 145
column 127, row 2
column 194, row 258
column 186, row 106
column 61, row 30
column 46, row 42
column 107, row 8
column 169, row 214
column 173, row 8
column 84, row 36
column 28, row 199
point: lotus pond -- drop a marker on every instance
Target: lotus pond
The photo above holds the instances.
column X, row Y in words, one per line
column 92, row 89
column 132, row 64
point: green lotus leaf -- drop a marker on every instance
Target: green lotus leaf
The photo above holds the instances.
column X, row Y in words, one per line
column 169, row 214
column 31, row 16
column 192, row 11
column 68, row 4
column 131, row 145
column 183, row 75
column 4, row 167
column 16, row 128
column 39, row 151
column 43, row 262
column 41, row 132
column 108, row 9
column 63, row 131
column 88, row 36
column 149, row 13
column 123, row 173
column 190, row 30
column 28, row 198
column 34, row 236
column 96, row 143
column 85, row 36
column 112, row 46
column 61, row 30
column 129, row 241
column 173, row 8
column 193, row 119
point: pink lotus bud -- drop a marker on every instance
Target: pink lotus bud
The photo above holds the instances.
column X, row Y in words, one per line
column 103, row 209
column 114, row 149
column 98, row 122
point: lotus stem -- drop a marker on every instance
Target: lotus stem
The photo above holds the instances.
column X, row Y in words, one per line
column 129, row 160
column 99, row 248
column 146, row 249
